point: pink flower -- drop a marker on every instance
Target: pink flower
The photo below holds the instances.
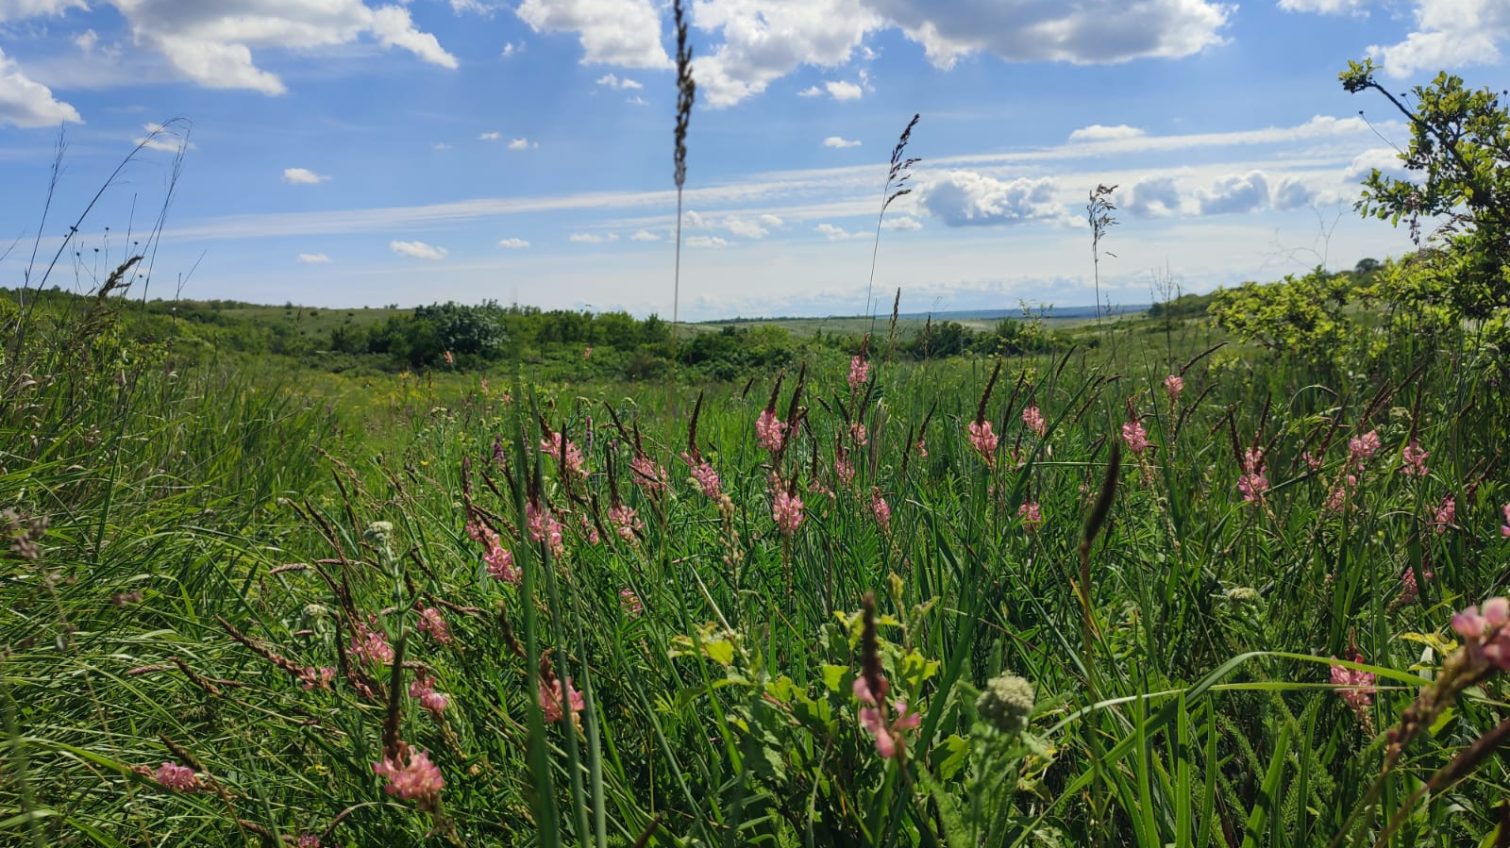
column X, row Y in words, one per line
column 859, row 372
column 983, row 440
column 1409, row 591
column 371, row 645
column 1313, row 460
column 858, row 434
column 316, row 678
column 423, row 689
column 624, row 521
column 1414, row 459
column 1173, row 385
column 433, row 624
column 1031, row 515
column 770, row 431
column 543, row 527
column 411, row 776
column 1359, row 693
column 1441, row 520
column 308, row 840
column 177, row 778
column 589, row 529
column 554, row 701
column 844, row 470
column 648, row 475
column 921, row 447
column 1033, row 418
column 1505, row 528
column 890, row 736
column 1360, row 449
column 1135, row 436
column 551, row 446
column 631, row 602
column 500, row 563
column 1485, row 635
column 705, row 476
column 880, row 509
column 1252, row 487
column 786, row 509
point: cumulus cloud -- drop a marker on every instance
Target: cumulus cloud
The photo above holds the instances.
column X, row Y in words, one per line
column 1238, row 193
column 15, row 10
column 616, row 81
column 903, row 223
column 490, row 136
column 612, row 32
column 1150, row 197
column 164, row 139
column 1325, row 7
column 1098, row 132
column 707, row 241
column 843, row 90
column 746, row 228
column 1449, row 34
column 839, row 142
column 645, row 235
column 510, row 48
column 313, row 258
column 833, row 233
column 24, row 102
column 303, row 176
column 811, row 91
column 1384, row 159
column 593, row 238
column 967, row 198
column 1291, row 193
column 522, row 144
column 86, row 40
column 513, row 243
column 764, row 41
column 418, row 250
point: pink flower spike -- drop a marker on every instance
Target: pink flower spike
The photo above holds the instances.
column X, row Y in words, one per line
column 433, row 624
column 500, row 563
column 543, row 527
column 631, row 602
column 552, row 698
column 983, row 440
column 1032, row 416
column 177, row 778
column 859, row 372
column 880, row 509
column 1441, row 520
column 1135, row 436
column 411, row 776
column 786, row 509
column 625, row 522
column 647, row 475
column 1362, row 448
column 1032, row 516
column 1505, row 528
column 1173, row 385
column 308, row 840
column 1413, row 458
column 551, row 446
column 705, row 476
column 770, row 431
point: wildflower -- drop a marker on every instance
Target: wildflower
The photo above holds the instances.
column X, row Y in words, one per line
column 1409, row 591
column 500, row 563
column 890, row 735
column 411, row 776
column 859, row 435
column 1441, row 520
column 648, row 475
column 1505, row 528
column 1135, row 436
column 844, row 470
column 880, row 509
column 316, row 678
column 631, row 602
column 1253, row 483
column 569, row 455
column 556, row 698
column 786, row 509
column 1006, row 703
column 1485, row 634
column 433, row 624
column 1031, row 515
column 1360, row 449
column 1032, row 416
column 308, row 840
column 770, row 431
column 1173, row 385
column 423, row 690
column 371, row 644
column 704, row 475
column 921, row 447
column 1313, row 460
column 543, row 527
column 624, row 521
column 983, row 440
column 1359, row 691
column 177, row 778
column 450, row 359
column 859, row 372
column 589, row 530
column 1414, row 459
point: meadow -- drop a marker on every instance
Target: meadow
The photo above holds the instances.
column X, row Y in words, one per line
column 1221, row 576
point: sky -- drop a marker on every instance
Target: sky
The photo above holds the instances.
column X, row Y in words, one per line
column 373, row 152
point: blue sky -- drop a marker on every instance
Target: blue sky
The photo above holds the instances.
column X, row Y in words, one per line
column 342, row 152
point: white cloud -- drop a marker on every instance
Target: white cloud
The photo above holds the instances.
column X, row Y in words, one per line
column 593, row 238
column 513, row 243
column 1246, row 193
column 1449, row 34
column 904, row 222
column 1325, row 7
column 314, row 258
column 522, row 144
column 212, row 43
column 833, row 233
column 164, row 139
column 1385, row 159
column 1151, row 197
column 418, row 250
column 764, row 40
column 1098, row 132
column 1291, row 193
column 15, row 10
column 510, row 48
column 707, row 241
column 843, row 90
column 968, row 198
column 616, row 81
column 86, row 40
column 636, row 100
column 25, row 102
column 440, row 145
column 745, row 228
column 839, row 142
column 772, row 221
column 612, row 32
column 811, row 91
column 645, row 235
column 1085, row 32
column 303, row 176
column 490, row 136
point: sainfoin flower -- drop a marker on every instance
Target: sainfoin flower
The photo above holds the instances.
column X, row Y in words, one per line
column 1485, row 634
column 1358, row 691
column 589, row 529
column 859, row 372
column 1409, row 590
column 411, row 776
column 371, row 644
column 705, row 476
column 630, row 601
column 571, row 458
column 880, row 508
column 770, row 431
column 786, row 509
column 890, row 736
column 647, row 475
column 858, row 434
column 543, row 527
column 1032, row 417
column 1032, row 516
column 844, row 470
column 1173, row 385
column 316, row 678
column 921, row 447
column 1505, row 528
column 624, row 520
column 500, row 563
column 433, row 624
column 1135, row 436
column 1253, row 484
column 308, row 840
column 554, row 694
column 1441, row 520
column 422, row 689
column 1413, row 460
column 176, row 777
column 1360, row 449
column 983, row 440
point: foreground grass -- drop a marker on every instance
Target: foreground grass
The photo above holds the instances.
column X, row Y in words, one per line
column 210, row 535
